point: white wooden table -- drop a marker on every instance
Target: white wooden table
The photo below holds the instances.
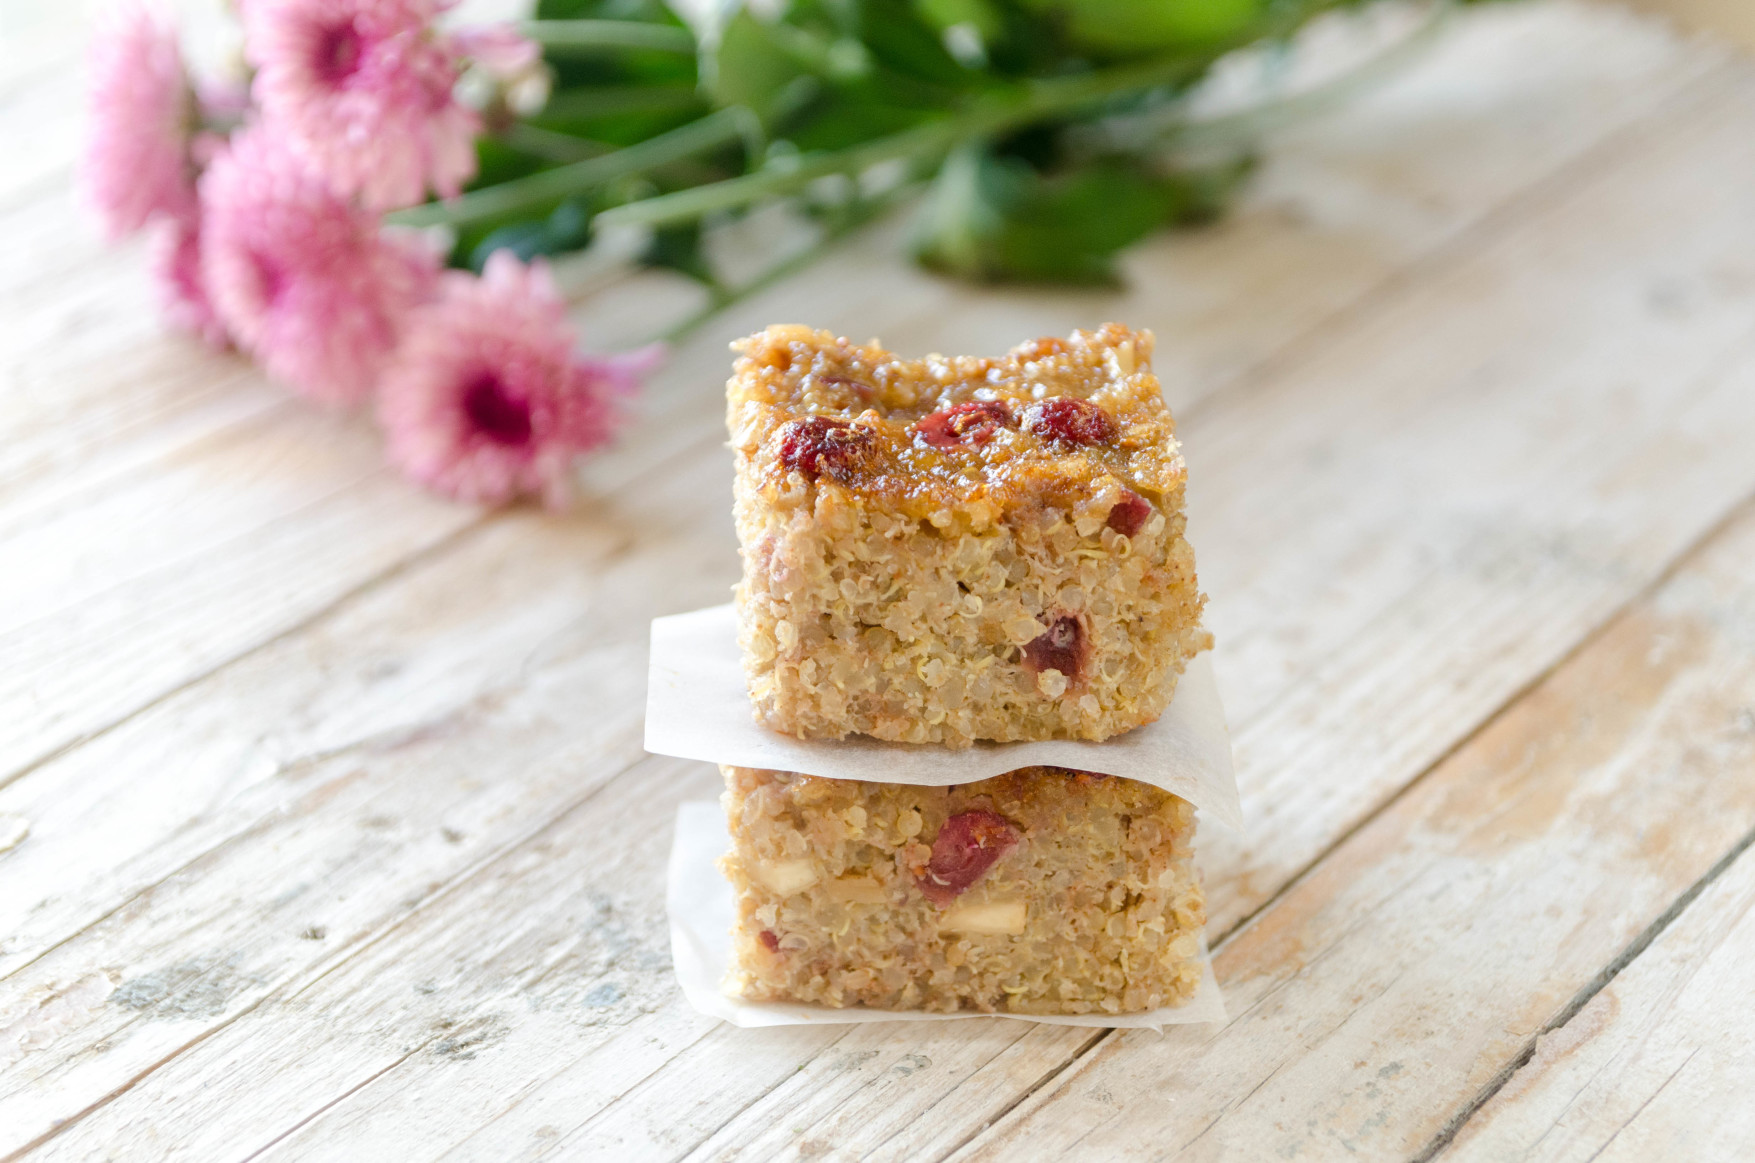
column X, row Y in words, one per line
column 341, row 842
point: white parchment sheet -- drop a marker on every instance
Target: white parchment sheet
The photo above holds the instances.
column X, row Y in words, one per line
column 701, row 908
column 698, row 707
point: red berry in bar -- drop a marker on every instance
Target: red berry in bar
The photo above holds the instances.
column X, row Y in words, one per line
column 967, row 845
column 1068, row 422
column 1130, row 514
column 971, row 423
column 1061, row 647
column 821, row 445
column 769, row 941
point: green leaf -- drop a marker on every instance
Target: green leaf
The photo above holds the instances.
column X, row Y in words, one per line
column 678, row 248
column 1132, row 28
column 904, row 43
column 567, row 228
column 996, row 219
column 751, row 66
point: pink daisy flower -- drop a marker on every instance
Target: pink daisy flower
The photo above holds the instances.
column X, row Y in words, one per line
column 487, row 399
column 306, row 282
column 182, row 290
column 137, row 162
column 364, row 90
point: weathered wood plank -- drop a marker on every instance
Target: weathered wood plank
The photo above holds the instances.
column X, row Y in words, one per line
column 116, row 601
column 567, row 927
column 1657, row 1065
column 1382, row 993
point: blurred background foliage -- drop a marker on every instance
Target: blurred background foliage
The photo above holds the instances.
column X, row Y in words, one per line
column 996, row 112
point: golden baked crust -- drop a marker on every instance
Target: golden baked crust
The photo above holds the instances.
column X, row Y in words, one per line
column 849, row 893
column 952, row 549
column 789, row 372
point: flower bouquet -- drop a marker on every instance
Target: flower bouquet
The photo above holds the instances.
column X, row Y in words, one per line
column 367, row 205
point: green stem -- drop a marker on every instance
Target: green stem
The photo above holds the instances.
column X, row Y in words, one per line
column 684, row 205
column 991, row 115
column 857, row 216
column 550, row 186
column 1032, row 103
column 552, row 146
column 591, row 35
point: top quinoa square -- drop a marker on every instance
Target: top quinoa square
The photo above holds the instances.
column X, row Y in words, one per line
column 959, row 548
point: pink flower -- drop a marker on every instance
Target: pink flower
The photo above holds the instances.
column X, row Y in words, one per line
column 137, row 163
column 306, row 282
column 364, row 91
column 488, row 399
column 182, row 290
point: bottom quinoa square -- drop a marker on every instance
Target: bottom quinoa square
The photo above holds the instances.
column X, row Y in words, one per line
column 1042, row 891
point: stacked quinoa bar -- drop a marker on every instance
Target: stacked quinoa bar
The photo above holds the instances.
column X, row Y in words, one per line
column 940, row 552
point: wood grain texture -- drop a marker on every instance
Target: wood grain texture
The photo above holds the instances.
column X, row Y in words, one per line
column 341, row 842
column 1658, row 1064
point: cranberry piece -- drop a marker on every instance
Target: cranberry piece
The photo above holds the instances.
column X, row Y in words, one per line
column 821, row 445
column 1061, row 647
column 965, row 848
column 1069, row 422
column 1130, row 514
column 972, row 423
column 769, row 941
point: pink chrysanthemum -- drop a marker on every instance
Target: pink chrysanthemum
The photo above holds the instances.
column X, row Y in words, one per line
column 182, row 289
column 307, row 283
column 488, row 399
column 137, row 163
column 364, row 90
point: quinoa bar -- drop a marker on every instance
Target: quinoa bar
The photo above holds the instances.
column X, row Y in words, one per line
column 1043, row 891
column 952, row 549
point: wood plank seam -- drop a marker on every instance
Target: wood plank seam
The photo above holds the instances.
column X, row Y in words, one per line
column 341, row 957
column 1023, row 1095
column 67, row 494
column 1734, row 513
column 301, row 764
column 364, row 587
column 306, row 761
column 1581, row 999
column 1640, row 1109
column 341, row 1098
